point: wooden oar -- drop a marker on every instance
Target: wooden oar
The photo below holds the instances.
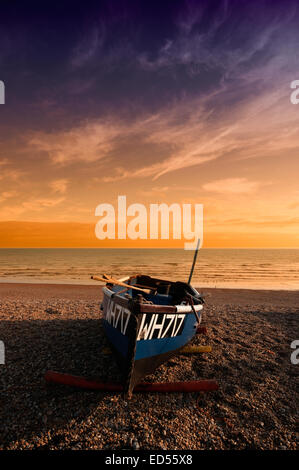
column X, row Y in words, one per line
column 118, row 283
column 149, row 288
column 113, row 280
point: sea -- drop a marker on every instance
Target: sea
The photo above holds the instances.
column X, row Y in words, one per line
column 276, row 269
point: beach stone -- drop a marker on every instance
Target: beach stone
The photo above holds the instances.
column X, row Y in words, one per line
column 136, row 445
column 52, row 311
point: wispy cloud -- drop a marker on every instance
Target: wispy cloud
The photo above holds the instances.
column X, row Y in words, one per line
column 232, row 185
column 194, row 132
column 27, row 207
column 87, row 142
column 59, row 186
column 221, row 41
column 120, row 174
column 41, row 204
column 281, row 222
column 88, row 46
column 3, row 161
column 7, row 195
column 236, row 108
column 11, row 174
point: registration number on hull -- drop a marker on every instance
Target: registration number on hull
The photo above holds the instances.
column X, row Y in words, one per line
column 152, row 326
column 160, row 325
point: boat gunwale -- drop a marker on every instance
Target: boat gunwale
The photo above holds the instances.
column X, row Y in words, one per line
column 151, row 308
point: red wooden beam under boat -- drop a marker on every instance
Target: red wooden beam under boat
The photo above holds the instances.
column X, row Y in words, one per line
column 88, row 384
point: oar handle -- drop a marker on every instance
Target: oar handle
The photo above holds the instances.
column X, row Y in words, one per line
column 118, row 283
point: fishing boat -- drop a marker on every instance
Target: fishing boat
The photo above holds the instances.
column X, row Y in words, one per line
column 147, row 321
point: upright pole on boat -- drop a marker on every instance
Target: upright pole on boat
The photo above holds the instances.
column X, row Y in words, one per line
column 194, row 261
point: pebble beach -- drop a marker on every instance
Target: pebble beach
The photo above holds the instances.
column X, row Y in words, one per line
column 57, row 327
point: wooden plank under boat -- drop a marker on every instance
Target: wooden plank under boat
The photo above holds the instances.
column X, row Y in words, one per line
column 147, row 322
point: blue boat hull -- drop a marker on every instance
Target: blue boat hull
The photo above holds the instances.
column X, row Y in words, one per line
column 145, row 335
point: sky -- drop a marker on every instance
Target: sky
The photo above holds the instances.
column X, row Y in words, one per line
column 177, row 101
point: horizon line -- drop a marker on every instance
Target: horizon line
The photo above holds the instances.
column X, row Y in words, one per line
column 139, row 248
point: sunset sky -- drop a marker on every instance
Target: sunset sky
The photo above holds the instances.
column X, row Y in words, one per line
column 173, row 101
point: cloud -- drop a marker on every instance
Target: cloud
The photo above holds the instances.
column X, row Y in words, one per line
column 3, row 162
column 12, row 175
column 221, row 41
column 7, row 195
column 280, row 222
column 232, row 186
column 88, row 46
column 41, row 204
column 11, row 212
column 241, row 113
column 190, row 132
column 120, row 174
column 59, row 186
column 242, row 118
column 294, row 205
column 88, row 142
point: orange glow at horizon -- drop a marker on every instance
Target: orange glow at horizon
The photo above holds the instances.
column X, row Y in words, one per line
column 80, row 235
